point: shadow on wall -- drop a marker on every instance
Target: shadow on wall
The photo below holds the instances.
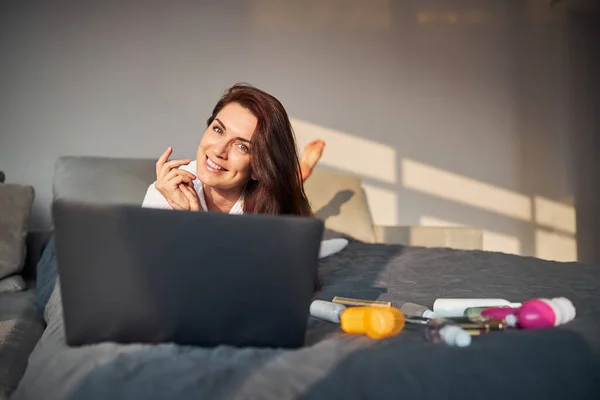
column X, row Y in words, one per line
column 512, row 222
column 333, row 208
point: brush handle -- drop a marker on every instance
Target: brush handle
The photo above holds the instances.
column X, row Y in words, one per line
column 361, row 303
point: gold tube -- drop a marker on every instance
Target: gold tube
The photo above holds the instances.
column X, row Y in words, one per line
column 361, row 303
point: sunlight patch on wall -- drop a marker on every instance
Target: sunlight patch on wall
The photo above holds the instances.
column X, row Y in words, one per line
column 383, row 204
column 492, row 241
column 349, row 153
column 554, row 215
column 555, row 246
column 450, row 186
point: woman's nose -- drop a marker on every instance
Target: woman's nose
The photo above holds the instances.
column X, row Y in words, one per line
column 220, row 148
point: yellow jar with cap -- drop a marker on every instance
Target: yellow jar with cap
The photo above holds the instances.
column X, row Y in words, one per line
column 375, row 322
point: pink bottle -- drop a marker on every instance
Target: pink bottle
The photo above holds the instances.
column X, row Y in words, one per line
column 542, row 313
column 499, row 312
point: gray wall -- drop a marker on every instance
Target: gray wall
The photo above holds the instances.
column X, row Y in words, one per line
column 584, row 122
column 413, row 95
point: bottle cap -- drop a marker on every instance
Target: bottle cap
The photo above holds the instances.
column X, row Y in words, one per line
column 429, row 314
column 376, row 322
column 511, row 320
column 353, row 320
column 326, row 310
column 413, row 309
column 563, row 309
column 453, row 335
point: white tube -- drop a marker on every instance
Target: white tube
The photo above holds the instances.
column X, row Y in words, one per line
column 326, row 310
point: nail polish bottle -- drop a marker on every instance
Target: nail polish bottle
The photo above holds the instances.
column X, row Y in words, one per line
column 441, row 331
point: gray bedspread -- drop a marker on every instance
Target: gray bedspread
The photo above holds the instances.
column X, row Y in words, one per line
column 553, row 363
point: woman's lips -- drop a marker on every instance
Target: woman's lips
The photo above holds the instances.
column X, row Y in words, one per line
column 213, row 166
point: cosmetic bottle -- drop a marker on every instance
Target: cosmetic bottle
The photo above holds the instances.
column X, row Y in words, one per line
column 445, row 307
column 499, row 312
column 326, row 310
column 478, row 325
column 442, row 331
column 417, row 310
column 542, row 313
column 375, row 322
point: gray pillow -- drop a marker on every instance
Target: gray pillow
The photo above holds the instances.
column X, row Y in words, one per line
column 13, row 283
column 15, row 209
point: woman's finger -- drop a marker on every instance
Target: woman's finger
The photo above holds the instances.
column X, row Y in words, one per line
column 186, row 176
column 175, row 206
column 162, row 160
column 173, row 183
column 192, row 196
column 171, row 165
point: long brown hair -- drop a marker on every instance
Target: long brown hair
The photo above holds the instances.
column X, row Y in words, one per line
column 278, row 187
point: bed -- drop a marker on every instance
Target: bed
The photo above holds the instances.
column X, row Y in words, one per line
column 561, row 362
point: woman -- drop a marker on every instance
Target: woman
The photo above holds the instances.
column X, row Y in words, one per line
column 246, row 163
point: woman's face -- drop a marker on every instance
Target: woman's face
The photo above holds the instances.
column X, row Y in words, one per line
column 223, row 156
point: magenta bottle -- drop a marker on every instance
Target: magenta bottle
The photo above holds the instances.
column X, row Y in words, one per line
column 499, row 312
column 542, row 313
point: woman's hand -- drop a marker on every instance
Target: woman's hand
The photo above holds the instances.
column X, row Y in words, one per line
column 193, row 201
column 169, row 178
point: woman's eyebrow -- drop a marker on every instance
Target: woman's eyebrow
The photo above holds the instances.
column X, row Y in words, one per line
column 221, row 123
column 224, row 128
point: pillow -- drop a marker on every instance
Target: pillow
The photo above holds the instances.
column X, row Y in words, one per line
column 339, row 200
column 15, row 209
column 332, row 234
column 13, row 283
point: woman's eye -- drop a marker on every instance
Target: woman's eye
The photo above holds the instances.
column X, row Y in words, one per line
column 217, row 129
column 243, row 147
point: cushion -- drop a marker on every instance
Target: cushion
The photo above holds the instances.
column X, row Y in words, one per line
column 339, row 200
column 103, row 179
column 21, row 326
column 14, row 283
column 15, row 209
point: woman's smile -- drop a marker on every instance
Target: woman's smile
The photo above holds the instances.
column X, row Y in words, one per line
column 212, row 166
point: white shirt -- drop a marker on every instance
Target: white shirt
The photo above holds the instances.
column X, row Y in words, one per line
column 154, row 199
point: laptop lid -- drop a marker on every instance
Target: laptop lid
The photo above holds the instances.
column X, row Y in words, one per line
column 131, row 274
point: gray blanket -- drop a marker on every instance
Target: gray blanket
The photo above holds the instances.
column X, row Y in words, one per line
column 553, row 363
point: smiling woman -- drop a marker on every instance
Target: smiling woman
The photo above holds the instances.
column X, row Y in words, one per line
column 246, row 162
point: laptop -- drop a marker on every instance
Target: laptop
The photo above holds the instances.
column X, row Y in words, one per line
column 139, row 275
